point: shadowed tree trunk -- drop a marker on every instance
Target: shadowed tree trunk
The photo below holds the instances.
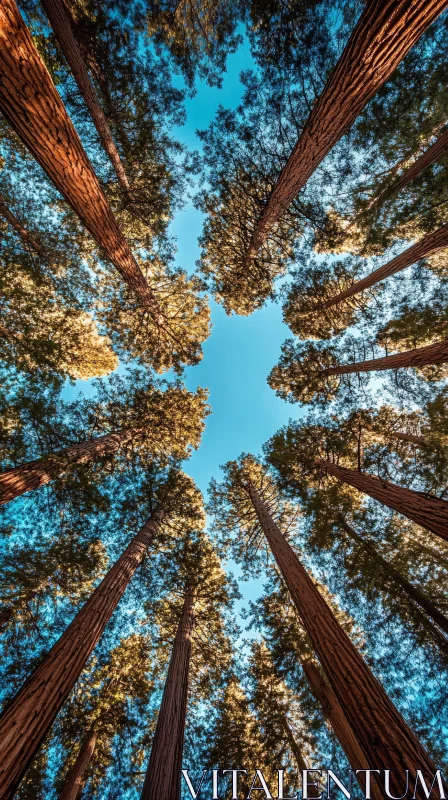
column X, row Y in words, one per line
column 425, row 509
column 295, row 749
column 327, row 699
column 19, row 480
column 162, row 780
column 385, row 32
column 412, row 591
column 77, row 775
column 19, row 228
column 5, row 615
column 28, row 717
column 431, row 354
column 430, row 156
column 420, row 441
column 384, row 738
column 30, row 102
column 438, row 240
column 60, row 23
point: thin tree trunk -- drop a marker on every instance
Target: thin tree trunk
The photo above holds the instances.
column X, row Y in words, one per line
column 295, row 749
column 77, row 775
column 431, row 354
column 34, row 474
column 29, row 100
column 19, row 228
column 412, row 591
column 162, row 780
column 29, row 716
column 423, row 508
column 385, row 32
column 427, row 158
column 420, row 441
column 438, row 240
column 384, row 738
column 60, row 23
column 332, row 709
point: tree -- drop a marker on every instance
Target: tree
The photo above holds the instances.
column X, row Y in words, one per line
column 311, row 373
column 168, row 421
column 51, row 682
column 200, row 601
column 291, row 453
column 345, row 92
column 365, row 703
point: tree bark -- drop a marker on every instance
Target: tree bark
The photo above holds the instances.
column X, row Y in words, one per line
column 77, row 775
column 412, row 591
column 19, row 228
column 384, row 738
column 28, row 717
column 34, row 474
column 385, row 32
column 60, row 23
column 427, row 158
column 332, row 709
column 163, row 776
column 431, row 354
column 425, row 509
column 438, row 240
column 30, row 102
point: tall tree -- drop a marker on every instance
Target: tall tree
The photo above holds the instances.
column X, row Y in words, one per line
column 366, row 705
column 366, row 63
column 51, row 682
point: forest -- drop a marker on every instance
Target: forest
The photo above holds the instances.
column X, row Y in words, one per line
column 219, row 579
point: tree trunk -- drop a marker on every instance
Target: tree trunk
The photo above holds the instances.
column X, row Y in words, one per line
column 19, row 228
column 384, row 738
column 19, row 480
column 295, row 749
column 326, row 698
column 60, row 23
column 385, row 32
column 431, row 354
column 438, row 240
column 412, row 591
column 162, row 780
column 77, row 775
column 427, row 158
column 425, row 509
column 28, row 717
column 5, row 615
column 420, row 441
column 29, row 100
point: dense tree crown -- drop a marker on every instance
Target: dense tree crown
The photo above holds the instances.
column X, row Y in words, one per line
column 133, row 663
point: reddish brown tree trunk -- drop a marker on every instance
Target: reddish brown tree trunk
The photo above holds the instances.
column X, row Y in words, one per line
column 77, row 775
column 430, row 156
column 327, row 699
column 431, row 354
column 60, row 23
column 384, row 738
column 386, row 31
column 412, row 591
column 438, row 240
column 29, row 100
column 19, row 228
column 28, row 717
column 162, row 781
column 420, row 441
column 425, row 509
column 19, row 480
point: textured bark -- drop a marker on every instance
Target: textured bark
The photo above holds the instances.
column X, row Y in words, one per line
column 27, row 719
column 412, row 591
column 162, row 780
column 385, row 32
column 383, row 736
column 325, row 696
column 60, row 22
column 19, row 228
column 425, row 509
column 30, row 102
column 431, row 354
column 438, row 240
column 430, row 156
column 77, row 775
column 19, row 480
